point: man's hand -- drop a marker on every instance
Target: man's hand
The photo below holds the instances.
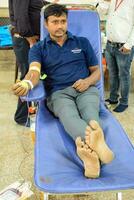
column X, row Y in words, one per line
column 81, row 85
column 21, row 88
column 124, row 50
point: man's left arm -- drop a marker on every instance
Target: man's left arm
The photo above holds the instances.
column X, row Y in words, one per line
column 129, row 44
column 83, row 84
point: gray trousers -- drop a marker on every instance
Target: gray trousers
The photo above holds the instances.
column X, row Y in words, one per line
column 75, row 109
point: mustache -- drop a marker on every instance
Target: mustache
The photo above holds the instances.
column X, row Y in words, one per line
column 60, row 30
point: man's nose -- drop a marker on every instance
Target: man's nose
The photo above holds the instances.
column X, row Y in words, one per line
column 60, row 24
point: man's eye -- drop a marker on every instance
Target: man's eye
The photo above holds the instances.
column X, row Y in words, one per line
column 55, row 22
column 63, row 21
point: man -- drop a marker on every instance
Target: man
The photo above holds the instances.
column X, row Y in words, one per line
column 72, row 71
column 119, row 51
column 25, row 21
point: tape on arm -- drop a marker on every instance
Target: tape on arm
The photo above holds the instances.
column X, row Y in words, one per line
column 30, row 83
column 35, row 68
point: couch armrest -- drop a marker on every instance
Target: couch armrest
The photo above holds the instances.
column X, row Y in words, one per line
column 36, row 94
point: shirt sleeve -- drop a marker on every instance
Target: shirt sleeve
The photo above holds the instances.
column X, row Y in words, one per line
column 103, row 8
column 11, row 13
column 35, row 54
column 91, row 57
column 130, row 41
column 21, row 13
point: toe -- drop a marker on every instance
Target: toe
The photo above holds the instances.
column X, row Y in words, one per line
column 79, row 142
column 82, row 144
column 95, row 154
column 87, row 138
column 86, row 146
column 94, row 124
column 89, row 150
column 88, row 130
column 87, row 133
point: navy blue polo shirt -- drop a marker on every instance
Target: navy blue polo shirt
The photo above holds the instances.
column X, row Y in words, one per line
column 63, row 65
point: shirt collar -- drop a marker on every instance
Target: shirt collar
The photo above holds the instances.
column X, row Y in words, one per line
column 69, row 36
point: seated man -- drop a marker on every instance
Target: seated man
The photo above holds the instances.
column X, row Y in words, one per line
column 72, row 71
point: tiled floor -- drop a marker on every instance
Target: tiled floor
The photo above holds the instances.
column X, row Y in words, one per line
column 16, row 147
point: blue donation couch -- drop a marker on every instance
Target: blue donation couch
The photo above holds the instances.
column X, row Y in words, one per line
column 57, row 167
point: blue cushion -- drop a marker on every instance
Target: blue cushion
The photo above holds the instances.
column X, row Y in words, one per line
column 5, row 36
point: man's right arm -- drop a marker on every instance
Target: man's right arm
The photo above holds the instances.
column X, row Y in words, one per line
column 32, row 77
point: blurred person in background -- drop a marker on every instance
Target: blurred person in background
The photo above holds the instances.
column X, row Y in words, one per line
column 25, row 22
column 119, row 49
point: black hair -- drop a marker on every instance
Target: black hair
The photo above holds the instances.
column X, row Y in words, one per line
column 56, row 10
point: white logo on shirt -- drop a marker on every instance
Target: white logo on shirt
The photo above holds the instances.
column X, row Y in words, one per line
column 76, row 50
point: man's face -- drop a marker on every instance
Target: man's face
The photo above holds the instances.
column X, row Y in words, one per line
column 56, row 26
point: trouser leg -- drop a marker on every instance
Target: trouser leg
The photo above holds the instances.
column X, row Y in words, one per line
column 62, row 104
column 113, row 72
column 124, row 63
column 21, row 49
column 88, row 104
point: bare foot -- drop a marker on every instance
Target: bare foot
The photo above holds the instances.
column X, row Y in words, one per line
column 94, row 138
column 89, row 158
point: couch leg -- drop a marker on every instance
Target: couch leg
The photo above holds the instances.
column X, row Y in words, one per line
column 46, row 196
column 119, row 196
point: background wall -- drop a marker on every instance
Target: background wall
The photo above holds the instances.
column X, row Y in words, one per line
column 4, row 3
column 4, row 8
